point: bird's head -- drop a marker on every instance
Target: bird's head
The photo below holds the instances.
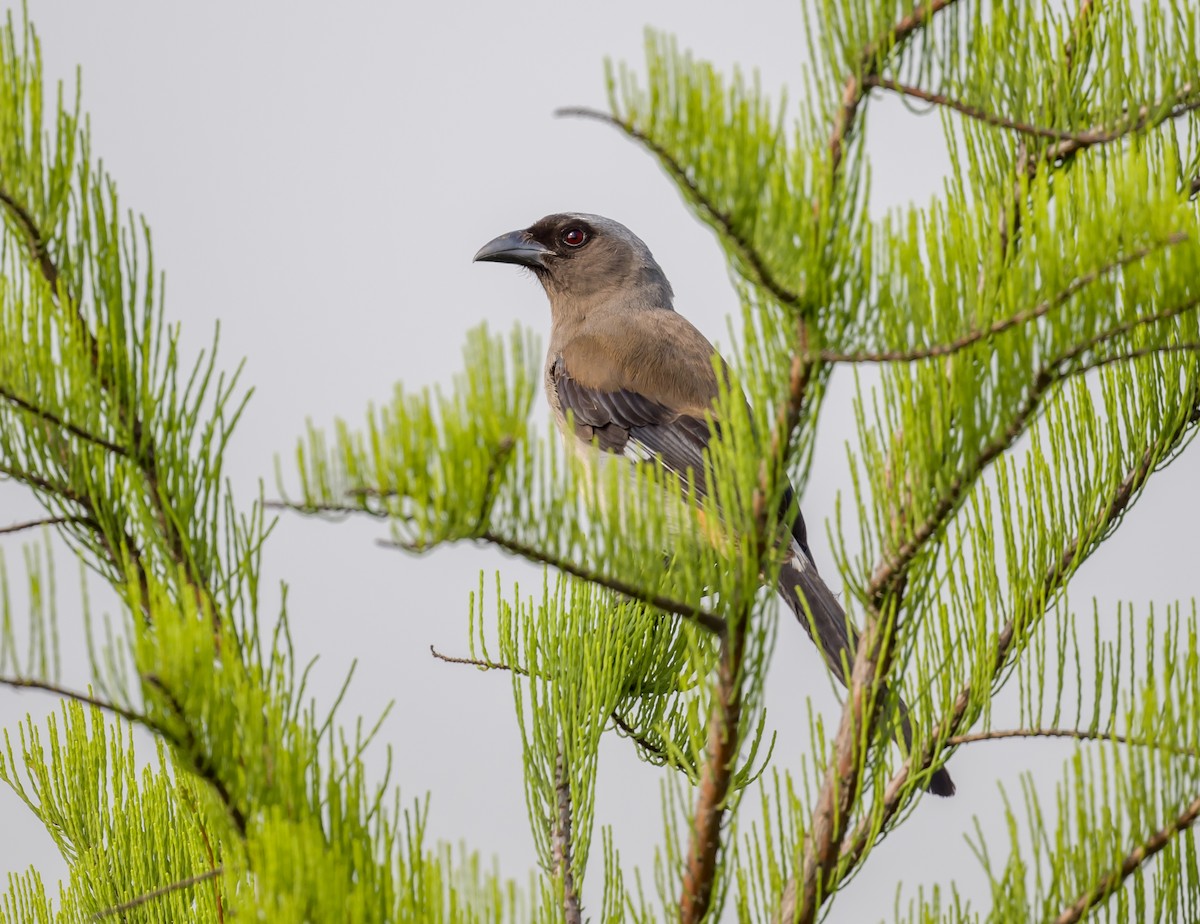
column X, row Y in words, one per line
column 583, row 259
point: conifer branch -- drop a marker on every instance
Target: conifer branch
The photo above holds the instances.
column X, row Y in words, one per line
column 159, row 893
column 1075, row 734
column 51, row 418
column 1071, row 142
column 867, row 830
column 746, row 251
column 35, row 241
column 998, row 327
column 895, row 565
column 32, row 683
column 698, row 615
column 1027, row 163
column 1136, row 858
column 856, row 88
column 141, row 451
column 618, row 722
column 716, row 774
column 199, row 759
column 218, row 904
column 34, row 524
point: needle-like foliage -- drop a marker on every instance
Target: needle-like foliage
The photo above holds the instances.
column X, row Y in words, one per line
column 1032, row 344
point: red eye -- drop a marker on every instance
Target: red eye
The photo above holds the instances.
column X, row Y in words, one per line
column 574, row 237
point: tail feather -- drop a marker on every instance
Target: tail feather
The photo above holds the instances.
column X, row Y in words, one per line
column 836, row 638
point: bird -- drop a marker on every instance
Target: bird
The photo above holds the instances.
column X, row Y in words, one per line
column 627, row 376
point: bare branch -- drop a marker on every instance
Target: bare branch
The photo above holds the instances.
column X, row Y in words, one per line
column 476, row 662
column 835, row 800
column 159, row 893
column 716, row 776
column 1186, row 102
column 1022, row 317
column 618, row 722
column 1138, row 856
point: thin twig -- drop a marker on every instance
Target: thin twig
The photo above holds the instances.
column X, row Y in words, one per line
column 1138, row 856
column 31, row 683
column 1072, row 141
column 158, row 893
column 478, row 662
column 617, row 720
column 34, row 524
column 1076, row 734
column 52, row 418
column 701, row 617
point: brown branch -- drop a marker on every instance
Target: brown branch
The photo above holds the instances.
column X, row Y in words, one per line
column 476, row 662
column 30, row 683
column 1071, row 141
column 560, row 841
column 698, row 615
column 716, row 774
column 34, row 524
column 1187, row 346
column 839, row 789
column 724, row 222
column 1076, row 734
column 1145, row 118
column 1022, row 317
column 716, row 777
column 1138, row 856
column 39, row 250
column 158, row 893
column 967, row 109
column 855, row 87
column 52, row 418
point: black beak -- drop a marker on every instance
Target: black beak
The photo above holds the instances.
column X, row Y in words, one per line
column 515, row 247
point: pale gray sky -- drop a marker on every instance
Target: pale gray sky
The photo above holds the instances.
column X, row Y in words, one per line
column 317, row 182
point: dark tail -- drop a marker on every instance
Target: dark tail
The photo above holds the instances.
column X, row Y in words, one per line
column 836, row 639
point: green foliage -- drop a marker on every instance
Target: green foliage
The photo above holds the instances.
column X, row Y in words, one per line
column 1039, row 365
